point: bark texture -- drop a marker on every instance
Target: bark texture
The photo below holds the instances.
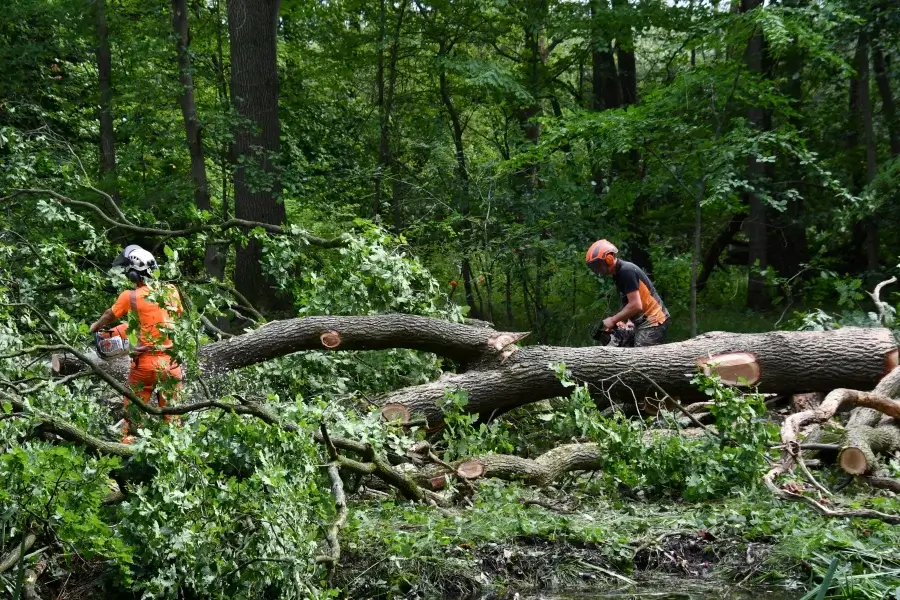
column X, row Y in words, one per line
column 863, row 444
column 214, row 261
column 888, row 106
column 539, row 471
column 104, row 71
column 755, row 224
column 788, row 362
column 502, row 376
column 252, row 26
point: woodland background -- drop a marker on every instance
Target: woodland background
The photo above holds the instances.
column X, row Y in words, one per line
column 450, row 158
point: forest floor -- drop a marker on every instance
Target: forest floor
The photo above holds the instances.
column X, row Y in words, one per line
column 590, row 542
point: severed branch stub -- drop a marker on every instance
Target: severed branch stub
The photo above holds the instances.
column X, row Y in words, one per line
column 880, row 306
column 331, row 339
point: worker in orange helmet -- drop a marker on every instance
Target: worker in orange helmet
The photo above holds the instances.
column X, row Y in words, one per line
column 640, row 302
column 152, row 366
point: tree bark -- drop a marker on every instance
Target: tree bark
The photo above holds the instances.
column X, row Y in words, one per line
column 502, row 376
column 862, row 444
column 386, row 100
column 253, row 26
column 755, row 224
column 105, row 113
column 462, row 173
column 214, row 261
column 785, row 363
column 717, row 247
column 695, row 258
column 540, row 471
column 888, row 107
column 863, row 440
column 787, row 247
column 627, row 64
column 865, row 108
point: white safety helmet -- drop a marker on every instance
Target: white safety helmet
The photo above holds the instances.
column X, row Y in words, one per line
column 136, row 259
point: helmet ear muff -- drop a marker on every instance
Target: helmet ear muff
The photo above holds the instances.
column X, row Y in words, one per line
column 133, row 276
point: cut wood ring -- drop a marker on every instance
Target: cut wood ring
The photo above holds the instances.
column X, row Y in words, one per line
column 330, row 339
column 394, row 412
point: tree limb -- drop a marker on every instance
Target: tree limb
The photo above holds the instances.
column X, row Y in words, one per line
column 13, row 558
column 154, row 231
column 340, row 501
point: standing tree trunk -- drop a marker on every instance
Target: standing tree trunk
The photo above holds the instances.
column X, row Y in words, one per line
column 214, row 262
column 695, row 258
column 462, row 174
column 787, row 247
column 888, row 107
column 865, row 111
column 386, row 103
column 755, row 225
column 627, row 64
column 107, row 131
column 606, row 83
column 253, row 27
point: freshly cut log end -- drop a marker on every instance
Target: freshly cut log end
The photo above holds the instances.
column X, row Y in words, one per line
column 736, row 368
column 854, row 461
column 438, row 483
column 470, row 469
column 891, row 360
column 330, row 339
column 864, row 443
column 395, row 412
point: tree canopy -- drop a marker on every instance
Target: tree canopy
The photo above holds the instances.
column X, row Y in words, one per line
column 415, row 184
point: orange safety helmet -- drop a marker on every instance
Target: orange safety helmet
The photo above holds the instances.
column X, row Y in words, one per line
column 601, row 250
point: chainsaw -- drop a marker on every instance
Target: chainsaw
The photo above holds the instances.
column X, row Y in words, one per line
column 619, row 336
column 111, row 343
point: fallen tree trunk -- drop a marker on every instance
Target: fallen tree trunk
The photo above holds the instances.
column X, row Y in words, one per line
column 541, row 471
column 501, row 376
column 777, row 362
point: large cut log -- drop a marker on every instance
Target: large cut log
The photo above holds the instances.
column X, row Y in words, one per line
column 777, row 362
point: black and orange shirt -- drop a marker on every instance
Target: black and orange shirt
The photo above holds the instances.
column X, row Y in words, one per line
column 629, row 278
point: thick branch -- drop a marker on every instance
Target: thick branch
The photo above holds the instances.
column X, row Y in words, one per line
column 540, row 471
column 463, row 343
column 862, row 444
column 68, row 431
column 879, row 400
column 340, row 502
column 13, row 558
column 154, row 231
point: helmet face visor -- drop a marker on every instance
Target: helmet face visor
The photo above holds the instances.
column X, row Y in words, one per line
column 598, row 267
column 121, row 261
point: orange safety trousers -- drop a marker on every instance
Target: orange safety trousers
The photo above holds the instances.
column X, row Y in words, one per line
column 148, row 370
